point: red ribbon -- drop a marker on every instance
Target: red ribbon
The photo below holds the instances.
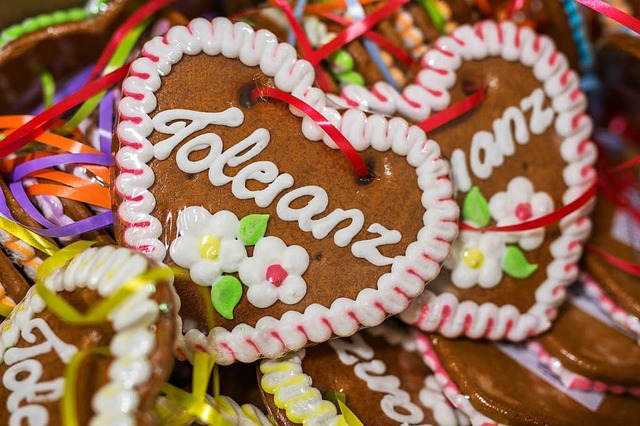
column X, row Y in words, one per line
column 352, row 32
column 41, row 122
column 356, row 29
column 631, row 268
column 454, row 111
column 613, row 13
column 514, row 6
column 359, row 167
column 396, row 51
column 542, row 221
column 133, row 21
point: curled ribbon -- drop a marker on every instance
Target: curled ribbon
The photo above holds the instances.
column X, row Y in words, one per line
column 358, row 164
column 34, row 240
column 69, row 409
column 195, row 404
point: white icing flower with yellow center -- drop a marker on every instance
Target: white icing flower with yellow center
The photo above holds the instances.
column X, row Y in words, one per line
column 274, row 273
column 519, row 203
column 207, row 244
column 475, row 259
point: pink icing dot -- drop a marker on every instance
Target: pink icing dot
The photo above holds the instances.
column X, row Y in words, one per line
column 524, row 211
column 276, row 274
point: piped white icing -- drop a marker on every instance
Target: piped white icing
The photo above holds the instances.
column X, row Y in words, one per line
column 104, row 270
column 444, row 312
column 293, row 330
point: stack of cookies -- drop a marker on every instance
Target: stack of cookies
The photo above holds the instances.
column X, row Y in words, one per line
column 320, row 213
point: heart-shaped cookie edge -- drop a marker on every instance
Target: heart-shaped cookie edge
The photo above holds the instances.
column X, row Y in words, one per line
column 88, row 270
column 444, row 312
column 273, row 337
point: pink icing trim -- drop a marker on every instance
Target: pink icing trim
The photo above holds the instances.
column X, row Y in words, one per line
column 450, row 390
column 617, row 313
column 445, row 313
column 573, row 380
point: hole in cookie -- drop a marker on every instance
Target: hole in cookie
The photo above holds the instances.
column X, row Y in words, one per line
column 318, row 257
column 370, row 177
column 469, row 87
column 245, row 97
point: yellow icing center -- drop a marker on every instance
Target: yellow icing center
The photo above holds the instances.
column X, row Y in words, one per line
column 473, row 258
column 209, row 247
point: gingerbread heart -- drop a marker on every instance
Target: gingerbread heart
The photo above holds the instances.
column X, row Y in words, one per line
column 379, row 373
column 502, row 384
column 523, row 152
column 283, row 245
column 57, row 368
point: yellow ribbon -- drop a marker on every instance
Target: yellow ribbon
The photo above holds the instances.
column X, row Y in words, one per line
column 69, row 408
column 5, row 310
column 349, row 416
column 34, row 240
column 195, row 404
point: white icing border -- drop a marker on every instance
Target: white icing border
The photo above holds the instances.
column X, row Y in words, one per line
column 615, row 312
column 133, row 322
column 450, row 389
column 273, row 337
column 444, row 313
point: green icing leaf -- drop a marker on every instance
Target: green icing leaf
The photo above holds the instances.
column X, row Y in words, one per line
column 252, row 228
column 516, row 265
column 475, row 208
column 226, row 292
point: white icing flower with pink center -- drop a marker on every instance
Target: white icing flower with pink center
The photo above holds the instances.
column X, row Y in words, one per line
column 475, row 259
column 519, row 203
column 274, row 273
column 207, row 244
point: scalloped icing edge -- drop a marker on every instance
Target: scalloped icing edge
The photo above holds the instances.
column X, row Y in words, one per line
column 273, row 337
column 572, row 380
column 87, row 270
column 614, row 311
column 450, row 389
column 445, row 313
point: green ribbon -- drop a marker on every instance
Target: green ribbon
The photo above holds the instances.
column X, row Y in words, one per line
column 117, row 60
column 434, row 13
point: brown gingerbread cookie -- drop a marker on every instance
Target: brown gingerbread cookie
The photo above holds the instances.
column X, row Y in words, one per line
column 283, row 244
column 381, row 377
column 602, row 356
column 128, row 349
column 503, row 384
column 520, row 154
column 616, row 291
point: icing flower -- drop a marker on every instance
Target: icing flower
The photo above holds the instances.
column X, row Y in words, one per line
column 207, row 244
column 475, row 259
column 519, row 204
column 274, row 273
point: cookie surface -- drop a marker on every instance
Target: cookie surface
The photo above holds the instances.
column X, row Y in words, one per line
column 282, row 243
column 493, row 388
column 522, row 153
column 379, row 372
column 129, row 353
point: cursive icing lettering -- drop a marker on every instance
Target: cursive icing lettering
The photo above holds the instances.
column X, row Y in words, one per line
column 181, row 124
column 22, row 378
column 489, row 149
column 396, row 403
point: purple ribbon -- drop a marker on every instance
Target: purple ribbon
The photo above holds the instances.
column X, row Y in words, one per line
column 105, row 123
